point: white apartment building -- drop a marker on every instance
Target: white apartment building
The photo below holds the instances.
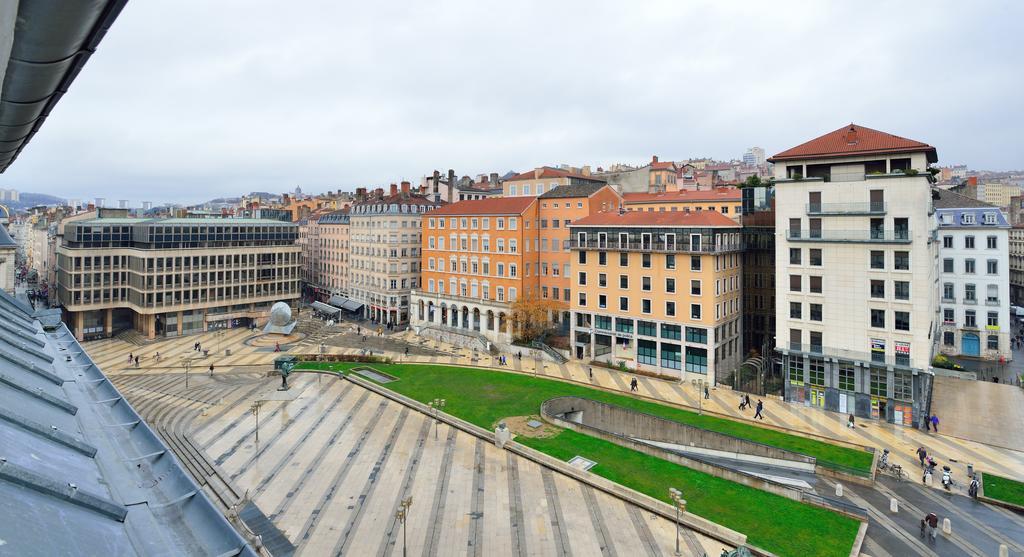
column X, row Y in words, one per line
column 856, row 262
column 974, row 277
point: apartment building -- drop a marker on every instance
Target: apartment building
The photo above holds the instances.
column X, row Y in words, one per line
column 659, row 292
column 8, row 251
column 385, row 242
column 655, row 176
column 558, row 209
column 974, row 276
column 727, row 201
column 1017, row 265
column 855, row 295
column 476, row 255
column 169, row 277
column 545, row 178
column 307, row 241
column 332, row 253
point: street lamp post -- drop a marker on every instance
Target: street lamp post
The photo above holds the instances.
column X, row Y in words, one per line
column 700, row 396
column 436, row 405
column 255, row 409
column 402, row 514
column 680, row 504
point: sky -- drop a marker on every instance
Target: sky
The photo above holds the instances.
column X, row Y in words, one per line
column 188, row 100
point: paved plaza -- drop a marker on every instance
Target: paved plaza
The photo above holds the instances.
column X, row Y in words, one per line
column 334, row 460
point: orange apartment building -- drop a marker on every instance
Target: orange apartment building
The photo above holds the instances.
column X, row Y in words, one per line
column 727, row 201
column 559, row 208
column 544, row 179
column 658, row 291
column 475, row 256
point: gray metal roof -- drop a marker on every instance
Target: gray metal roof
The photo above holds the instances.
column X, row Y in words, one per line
column 52, row 41
column 945, row 199
column 572, row 190
column 80, row 472
column 5, row 237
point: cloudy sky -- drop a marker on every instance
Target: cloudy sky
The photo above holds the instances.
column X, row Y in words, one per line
column 186, row 100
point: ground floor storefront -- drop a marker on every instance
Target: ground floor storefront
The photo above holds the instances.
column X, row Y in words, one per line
column 103, row 323
column 488, row 319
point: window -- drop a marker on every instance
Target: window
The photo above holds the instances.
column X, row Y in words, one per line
column 816, row 372
column 878, row 318
column 670, row 261
column 671, row 355
column 902, row 261
column 582, row 297
column 970, row 319
column 902, row 319
column 647, row 328
column 645, row 260
column 969, row 242
column 582, row 279
column 624, row 282
column 602, row 258
column 902, row 385
column 846, row 377
column 879, row 385
column 670, row 309
column 603, row 322
column 794, row 283
column 948, row 338
column 674, row 332
column 623, row 303
column 816, row 342
column 992, row 242
column 623, row 259
column 602, row 301
column 694, row 262
column 602, row 280
column 697, row 335
column 969, row 266
column 948, row 315
column 647, row 352
column 970, row 293
column 948, row 292
column 794, row 256
column 815, row 285
column 645, row 305
column 695, row 311
column 993, row 319
column 947, row 241
column 901, row 290
column 992, row 267
column 992, row 342
column 815, row 312
column 947, row 265
column 992, row 296
column 795, row 310
column 696, row 359
column 815, row 257
column 624, row 325
column 878, row 289
column 670, row 285
column 877, row 259
column 796, row 370
column 695, row 288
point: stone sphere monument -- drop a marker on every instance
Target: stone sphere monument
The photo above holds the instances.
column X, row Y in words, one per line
column 280, row 321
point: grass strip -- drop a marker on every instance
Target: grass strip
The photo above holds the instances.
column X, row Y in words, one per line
column 1004, row 489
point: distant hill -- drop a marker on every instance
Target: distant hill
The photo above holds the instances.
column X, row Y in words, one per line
column 26, row 200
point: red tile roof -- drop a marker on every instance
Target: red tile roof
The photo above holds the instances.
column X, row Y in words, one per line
column 492, row 206
column 683, row 196
column 548, row 172
column 854, row 140
column 658, row 218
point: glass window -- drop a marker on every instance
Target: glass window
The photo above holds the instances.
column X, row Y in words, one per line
column 647, row 352
column 878, row 318
column 815, row 257
column 694, row 262
column 993, row 319
column 674, row 332
column 902, row 261
column 697, row 335
column 695, row 311
column 847, row 376
column 696, row 359
column 623, row 303
column 815, row 284
column 695, row 287
column 645, row 260
column 969, row 242
column 794, row 256
column 796, row 370
column 993, row 342
column 623, row 259
column 879, row 385
column 647, row 328
column 992, row 242
column 902, row 385
column 969, row 266
column 816, row 372
column 901, row 290
column 795, row 310
column 948, row 338
column 815, row 312
column 992, row 267
column 624, row 281
column 671, row 355
column 902, row 319
column 624, row 325
column 877, row 259
column 794, row 283
column 603, row 322
column 645, row 306
column 878, row 289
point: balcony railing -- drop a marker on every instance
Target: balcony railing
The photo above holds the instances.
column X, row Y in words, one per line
column 878, row 358
column 850, row 236
column 827, row 209
column 654, row 246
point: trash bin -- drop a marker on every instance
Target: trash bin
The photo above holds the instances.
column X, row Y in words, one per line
column 227, row 351
column 970, row 470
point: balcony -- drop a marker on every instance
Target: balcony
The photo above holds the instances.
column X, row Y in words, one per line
column 841, row 209
column 877, row 358
column 653, row 246
column 876, row 236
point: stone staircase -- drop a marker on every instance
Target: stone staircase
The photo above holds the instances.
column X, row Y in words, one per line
column 131, row 336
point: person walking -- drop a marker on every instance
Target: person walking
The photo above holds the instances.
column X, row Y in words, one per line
column 136, row 361
column 131, row 357
column 921, row 455
column 760, row 406
column 850, row 423
column 931, row 520
column 632, row 385
column 211, row 370
column 590, row 372
column 935, row 423
column 747, row 399
column 743, row 402
column 707, row 394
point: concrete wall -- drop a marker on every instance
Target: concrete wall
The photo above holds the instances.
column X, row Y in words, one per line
column 630, row 423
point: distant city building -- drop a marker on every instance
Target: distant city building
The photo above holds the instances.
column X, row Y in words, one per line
column 723, row 200
column 997, row 194
column 754, row 156
column 9, row 195
column 8, row 261
column 539, row 180
column 655, row 176
column 169, row 277
column 1017, row 265
column 974, row 277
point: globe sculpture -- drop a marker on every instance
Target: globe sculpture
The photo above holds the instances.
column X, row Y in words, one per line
column 280, row 321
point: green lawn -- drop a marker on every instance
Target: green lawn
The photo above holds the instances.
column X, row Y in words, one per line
column 780, row 525
column 1004, row 489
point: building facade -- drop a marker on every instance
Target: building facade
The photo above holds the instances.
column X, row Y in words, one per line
column 543, row 179
column 332, row 253
column 1017, row 265
column 855, row 255
column 974, row 276
column 726, row 201
column 169, row 277
column 385, row 235
column 476, row 254
column 658, row 292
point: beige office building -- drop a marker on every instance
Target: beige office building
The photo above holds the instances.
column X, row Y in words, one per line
column 385, row 240
column 169, row 277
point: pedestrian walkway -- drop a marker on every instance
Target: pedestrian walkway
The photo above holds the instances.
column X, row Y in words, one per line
column 981, row 411
column 334, row 461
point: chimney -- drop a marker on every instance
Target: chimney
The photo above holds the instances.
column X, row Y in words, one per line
column 394, row 189
column 536, row 172
column 405, row 188
column 451, row 185
column 378, row 193
column 654, row 159
column 493, row 179
column 851, row 135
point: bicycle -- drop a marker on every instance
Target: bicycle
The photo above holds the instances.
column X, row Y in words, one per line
column 897, row 472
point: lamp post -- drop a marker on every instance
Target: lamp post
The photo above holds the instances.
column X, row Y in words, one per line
column 700, row 395
column 255, row 409
column 680, row 504
column 402, row 514
column 220, row 335
column 436, row 405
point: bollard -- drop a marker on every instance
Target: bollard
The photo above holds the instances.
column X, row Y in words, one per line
column 1003, row 550
column 502, row 435
column 839, row 490
column 894, row 506
column 947, row 526
column 928, row 480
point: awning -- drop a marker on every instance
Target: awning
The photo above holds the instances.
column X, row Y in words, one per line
column 324, row 308
column 352, row 305
column 337, row 300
